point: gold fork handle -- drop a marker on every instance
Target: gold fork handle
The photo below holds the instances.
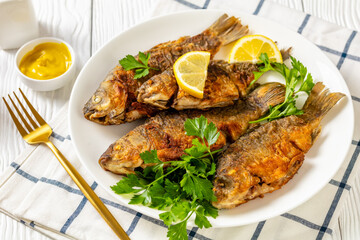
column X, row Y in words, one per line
column 89, row 193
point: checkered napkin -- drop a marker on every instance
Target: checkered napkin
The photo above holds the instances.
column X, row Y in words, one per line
column 36, row 190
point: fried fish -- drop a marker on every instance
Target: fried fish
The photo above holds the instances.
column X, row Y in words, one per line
column 225, row 83
column 165, row 131
column 265, row 159
column 114, row 102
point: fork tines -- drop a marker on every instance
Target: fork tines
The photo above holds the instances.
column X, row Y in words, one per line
column 23, row 120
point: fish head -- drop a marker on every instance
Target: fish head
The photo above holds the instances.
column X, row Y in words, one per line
column 231, row 185
column 107, row 105
column 112, row 160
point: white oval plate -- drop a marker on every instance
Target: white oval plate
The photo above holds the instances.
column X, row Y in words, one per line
column 321, row 163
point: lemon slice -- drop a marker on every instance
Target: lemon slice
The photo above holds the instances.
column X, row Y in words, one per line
column 249, row 48
column 190, row 72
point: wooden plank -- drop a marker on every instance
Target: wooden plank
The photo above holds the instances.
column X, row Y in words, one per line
column 349, row 220
column 108, row 23
column 58, row 18
column 343, row 13
column 346, row 14
column 293, row 4
column 68, row 20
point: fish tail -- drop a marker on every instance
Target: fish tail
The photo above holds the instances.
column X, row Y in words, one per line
column 285, row 53
column 319, row 102
column 269, row 94
column 228, row 29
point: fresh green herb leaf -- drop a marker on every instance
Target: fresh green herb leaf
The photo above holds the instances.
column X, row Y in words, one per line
column 178, row 231
column 183, row 187
column 265, row 67
column 139, row 73
column 201, row 166
column 144, row 58
column 198, row 188
column 294, row 77
column 172, row 189
column 141, row 66
column 150, row 157
column 129, row 184
column 200, row 219
column 159, row 203
column 167, row 217
column 157, row 190
column 144, row 198
column 307, row 85
column 197, row 150
column 212, row 169
column 181, row 210
column 209, row 210
column 196, row 127
column 129, row 62
column 200, row 128
column 211, row 134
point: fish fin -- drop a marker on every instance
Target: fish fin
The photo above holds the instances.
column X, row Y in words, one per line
column 228, row 28
column 315, row 133
column 269, row 94
column 319, row 102
column 286, row 53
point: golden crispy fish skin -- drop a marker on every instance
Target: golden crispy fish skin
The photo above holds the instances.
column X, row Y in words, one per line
column 114, row 102
column 225, row 83
column 265, row 159
column 158, row 90
column 165, row 131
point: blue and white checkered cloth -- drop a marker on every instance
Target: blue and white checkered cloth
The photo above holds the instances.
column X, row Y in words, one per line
column 36, row 190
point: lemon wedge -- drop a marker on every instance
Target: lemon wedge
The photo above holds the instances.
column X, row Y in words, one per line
column 190, row 72
column 249, row 48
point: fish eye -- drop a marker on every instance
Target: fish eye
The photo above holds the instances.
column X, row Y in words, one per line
column 96, row 99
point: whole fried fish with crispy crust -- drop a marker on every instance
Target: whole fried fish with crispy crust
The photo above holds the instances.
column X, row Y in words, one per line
column 267, row 158
column 165, row 132
column 225, row 83
column 114, row 102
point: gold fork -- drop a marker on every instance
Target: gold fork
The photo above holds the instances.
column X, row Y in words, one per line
column 40, row 134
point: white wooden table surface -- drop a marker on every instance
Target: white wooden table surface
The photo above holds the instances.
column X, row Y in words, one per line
column 87, row 25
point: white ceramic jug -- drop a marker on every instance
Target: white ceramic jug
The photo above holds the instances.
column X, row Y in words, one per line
column 17, row 23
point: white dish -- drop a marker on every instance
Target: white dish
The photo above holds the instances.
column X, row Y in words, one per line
column 49, row 84
column 321, row 163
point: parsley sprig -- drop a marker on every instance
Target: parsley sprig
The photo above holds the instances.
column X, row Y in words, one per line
column 181, row 188
column 141, row 67
column 297, row 80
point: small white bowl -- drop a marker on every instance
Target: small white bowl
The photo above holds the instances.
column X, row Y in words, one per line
column 49, row 84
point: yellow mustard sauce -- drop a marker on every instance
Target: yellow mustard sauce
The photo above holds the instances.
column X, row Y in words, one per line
column 46, row 61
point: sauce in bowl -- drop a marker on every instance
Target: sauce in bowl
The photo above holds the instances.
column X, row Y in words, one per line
column 46, row 61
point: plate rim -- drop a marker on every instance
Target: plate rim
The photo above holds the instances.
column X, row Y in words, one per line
column 213, row 11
